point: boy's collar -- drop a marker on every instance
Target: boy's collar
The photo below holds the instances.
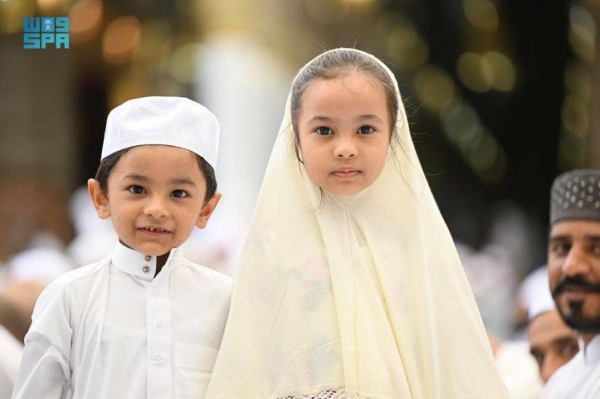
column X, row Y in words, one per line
column 140, row 265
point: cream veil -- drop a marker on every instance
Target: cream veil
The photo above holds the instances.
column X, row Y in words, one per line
column 364, row 292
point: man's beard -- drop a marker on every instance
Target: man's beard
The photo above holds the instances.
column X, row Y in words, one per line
column 574, row 317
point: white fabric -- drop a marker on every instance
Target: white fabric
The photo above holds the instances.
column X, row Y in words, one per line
column 534, row 293
column 93, row 245
column 337, row 393
column 10, row 357
column 173, row 121
column 83, row 214
column 578, row 379
column 364, row 292
column 112, row 330
column 519, row 370
column 41, row 265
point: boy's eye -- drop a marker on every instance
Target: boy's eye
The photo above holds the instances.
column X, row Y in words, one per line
column 366, row 129
column 179, row 194
column 136, row 189
column 324, row 131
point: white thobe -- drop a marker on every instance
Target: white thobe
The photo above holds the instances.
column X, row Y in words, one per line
column 10, row 356
column 580, row 378
column 113, row 330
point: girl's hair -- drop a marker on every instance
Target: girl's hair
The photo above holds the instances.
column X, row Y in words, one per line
column 109, row 162
column 336, row 63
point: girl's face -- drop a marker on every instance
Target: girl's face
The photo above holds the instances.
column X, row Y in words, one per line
column 344, row 131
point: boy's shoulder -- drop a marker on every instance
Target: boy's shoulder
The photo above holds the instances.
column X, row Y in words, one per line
column 212, row 275
column 70, row 284
column 81, row 273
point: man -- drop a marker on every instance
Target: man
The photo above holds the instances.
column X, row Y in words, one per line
column 574, row 273
column 552, row 343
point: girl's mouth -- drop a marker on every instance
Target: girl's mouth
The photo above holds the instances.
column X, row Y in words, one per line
column 343, row 174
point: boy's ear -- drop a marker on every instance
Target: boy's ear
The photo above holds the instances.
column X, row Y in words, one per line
column 99, row 199
column 207, row 211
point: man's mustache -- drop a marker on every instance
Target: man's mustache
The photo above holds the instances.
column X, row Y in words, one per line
column 575, row 282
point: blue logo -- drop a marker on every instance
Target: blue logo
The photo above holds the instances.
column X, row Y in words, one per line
column 40, row 32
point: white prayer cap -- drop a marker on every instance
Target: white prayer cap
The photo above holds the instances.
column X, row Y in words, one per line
column 40, row 265
column 174, row 121
column 534, row 293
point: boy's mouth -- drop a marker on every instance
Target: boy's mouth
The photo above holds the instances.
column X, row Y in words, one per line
column 154, row 230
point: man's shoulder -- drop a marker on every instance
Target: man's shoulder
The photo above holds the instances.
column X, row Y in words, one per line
column 568, row 380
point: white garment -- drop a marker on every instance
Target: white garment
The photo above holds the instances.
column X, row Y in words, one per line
column 113, row 330
column 10, row 356
column 363, row 292
column 580, row 378
column 519, row 370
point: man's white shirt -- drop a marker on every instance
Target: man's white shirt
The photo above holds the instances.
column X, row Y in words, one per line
column 113, row 330
column 580, row 378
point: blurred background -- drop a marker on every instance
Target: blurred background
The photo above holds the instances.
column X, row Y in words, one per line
column 500, row 95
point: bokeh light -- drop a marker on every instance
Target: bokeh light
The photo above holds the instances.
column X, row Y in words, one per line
column 482, row 14
column 85, row 20
column 120, row 40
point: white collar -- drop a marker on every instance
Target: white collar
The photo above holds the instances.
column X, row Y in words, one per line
column 591, row 351
column 137, row 264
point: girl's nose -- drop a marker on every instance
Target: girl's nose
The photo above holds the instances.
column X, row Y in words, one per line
column 345, row 148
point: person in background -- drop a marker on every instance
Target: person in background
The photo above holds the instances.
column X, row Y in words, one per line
column 551, row 342
column 574, row 273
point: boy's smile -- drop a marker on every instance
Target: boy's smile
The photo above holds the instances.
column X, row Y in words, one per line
column 155, row 198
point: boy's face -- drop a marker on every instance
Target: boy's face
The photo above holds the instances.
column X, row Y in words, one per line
column 155, row 198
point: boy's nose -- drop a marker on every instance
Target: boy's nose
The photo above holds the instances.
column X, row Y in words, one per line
column 156, row 208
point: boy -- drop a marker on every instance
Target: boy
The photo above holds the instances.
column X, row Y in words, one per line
column 144, row 322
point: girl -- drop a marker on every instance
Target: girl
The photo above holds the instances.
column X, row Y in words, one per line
column 349, row 285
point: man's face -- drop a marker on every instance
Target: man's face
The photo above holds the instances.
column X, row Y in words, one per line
column 552, row 342
column 574, row 271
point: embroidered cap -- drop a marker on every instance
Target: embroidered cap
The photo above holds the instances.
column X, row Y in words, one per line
column 576, row 195
column 174, row 121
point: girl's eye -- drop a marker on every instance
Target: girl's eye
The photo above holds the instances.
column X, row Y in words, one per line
column 137, row 189
column 324, row 131
column 179, row 194
column 366, row 129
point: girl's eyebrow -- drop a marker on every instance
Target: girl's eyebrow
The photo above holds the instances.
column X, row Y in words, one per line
column 369, row 117
column 182, row 180
column 366, row 117
column 319, row 118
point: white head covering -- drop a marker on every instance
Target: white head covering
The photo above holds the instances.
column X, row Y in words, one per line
column 40, row 265
column 364, row 292
column 174, row 121
column 534, row 293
